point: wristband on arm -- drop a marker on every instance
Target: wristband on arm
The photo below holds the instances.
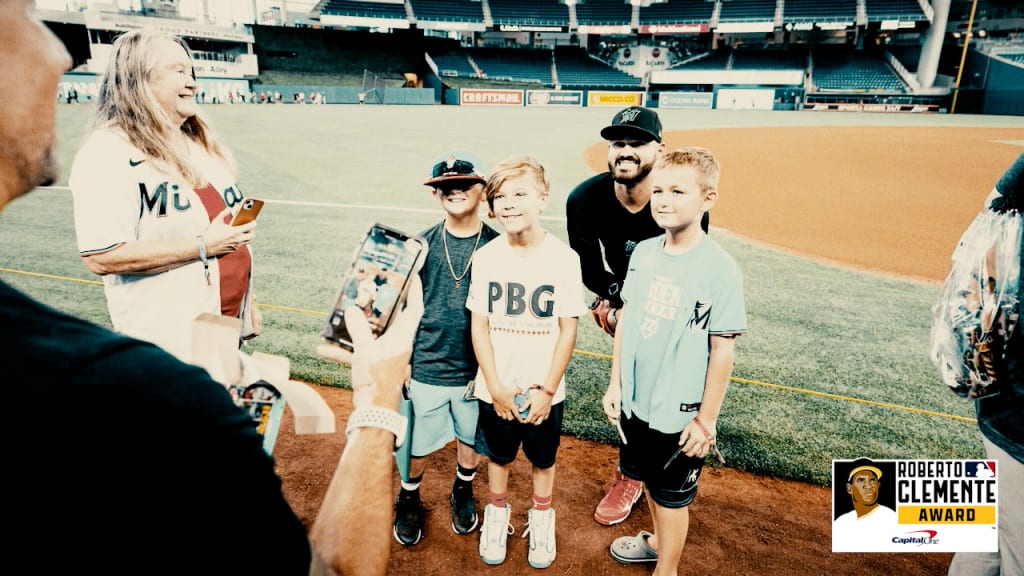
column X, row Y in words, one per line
column 203, row 258
column 376, row 417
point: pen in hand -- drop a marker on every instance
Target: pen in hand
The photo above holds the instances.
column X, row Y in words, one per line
column 679, row 450
column 618, row 426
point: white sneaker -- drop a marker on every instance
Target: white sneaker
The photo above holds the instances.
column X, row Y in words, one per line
column 494, row 533
column 541, row 528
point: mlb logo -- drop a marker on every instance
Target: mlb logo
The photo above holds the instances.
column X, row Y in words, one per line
column 985, row 469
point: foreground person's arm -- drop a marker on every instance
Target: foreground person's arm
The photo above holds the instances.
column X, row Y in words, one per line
column 352, row 533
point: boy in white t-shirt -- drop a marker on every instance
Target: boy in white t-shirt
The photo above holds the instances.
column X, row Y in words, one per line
column 526, row 295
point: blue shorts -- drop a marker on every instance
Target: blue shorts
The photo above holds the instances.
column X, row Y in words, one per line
column 440, row 414
column 643, row 458
column 499, row 439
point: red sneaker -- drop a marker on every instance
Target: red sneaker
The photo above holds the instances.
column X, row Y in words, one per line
column 618, row 501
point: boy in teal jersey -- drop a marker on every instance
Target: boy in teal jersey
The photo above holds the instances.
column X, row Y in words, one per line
column 673, row 354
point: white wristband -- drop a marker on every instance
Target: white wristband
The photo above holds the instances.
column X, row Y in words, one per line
column 201, row 241
column 376, row 417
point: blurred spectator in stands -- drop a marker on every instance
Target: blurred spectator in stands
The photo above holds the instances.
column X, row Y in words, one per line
column 153, row 195
column 134, row 436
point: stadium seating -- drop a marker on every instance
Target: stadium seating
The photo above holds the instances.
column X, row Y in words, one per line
column 455, row 63
column 448, row 10
column 576, row 69
column 769, row 59
column 905, row 10
column 1015, row 57
column 676, row 12
column 360, row 9
column 839, row 69
column 604, row 13
column 747, row 10
column 520, row 65
column 718, row 60
column 820, row 10
column 529, row 12
column 909, row 56
column 329, row 56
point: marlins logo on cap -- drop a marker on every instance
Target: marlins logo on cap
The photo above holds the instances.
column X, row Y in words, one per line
column 634, row 123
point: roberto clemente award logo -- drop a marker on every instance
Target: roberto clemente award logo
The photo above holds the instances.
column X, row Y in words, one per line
column 914, row 505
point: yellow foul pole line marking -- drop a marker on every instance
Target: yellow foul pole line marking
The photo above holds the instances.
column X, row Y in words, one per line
column 580, row 352
column 51, row 276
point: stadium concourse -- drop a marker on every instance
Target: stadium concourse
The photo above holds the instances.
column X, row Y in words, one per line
column 742, row 523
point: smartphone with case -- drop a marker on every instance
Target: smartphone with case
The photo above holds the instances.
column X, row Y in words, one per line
column 247, row 213
column 376, row 281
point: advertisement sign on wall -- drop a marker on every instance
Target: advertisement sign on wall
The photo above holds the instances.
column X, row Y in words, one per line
column 554, row 98
column 481, row 96
column 615, row 98
column 701, row 100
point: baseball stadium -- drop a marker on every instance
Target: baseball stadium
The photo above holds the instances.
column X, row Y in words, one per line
column 857, row 139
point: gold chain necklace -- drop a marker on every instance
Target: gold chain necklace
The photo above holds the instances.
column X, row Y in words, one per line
column 448, row 257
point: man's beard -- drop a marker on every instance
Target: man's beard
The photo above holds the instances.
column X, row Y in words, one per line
column 41, row 170
column 47, row 169
column 642, row 171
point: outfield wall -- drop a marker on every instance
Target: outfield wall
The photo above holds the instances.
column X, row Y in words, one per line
column 1004, row 93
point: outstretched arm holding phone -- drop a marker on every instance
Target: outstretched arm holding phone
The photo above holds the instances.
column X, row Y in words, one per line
column 352, row 533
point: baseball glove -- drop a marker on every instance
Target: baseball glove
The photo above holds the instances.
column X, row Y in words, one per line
column 604, row 315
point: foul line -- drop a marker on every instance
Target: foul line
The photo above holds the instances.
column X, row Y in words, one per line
column 580, row 352
column 51, row 276
column 376, row 207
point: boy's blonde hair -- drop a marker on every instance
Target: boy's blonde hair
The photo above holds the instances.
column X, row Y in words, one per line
column 514, row 167
column 701, row 159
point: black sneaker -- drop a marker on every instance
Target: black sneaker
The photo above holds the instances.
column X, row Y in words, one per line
column 408, row 518
column 464, row 518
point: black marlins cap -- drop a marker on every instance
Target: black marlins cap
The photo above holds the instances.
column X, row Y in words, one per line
column 457, row 165
column 635, row 122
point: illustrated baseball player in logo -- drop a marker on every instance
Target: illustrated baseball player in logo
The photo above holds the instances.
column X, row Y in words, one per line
column 869, row 518
column 607, row 216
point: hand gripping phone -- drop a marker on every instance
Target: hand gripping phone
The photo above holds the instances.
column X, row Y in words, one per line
column 376, row 281
column 247, row 213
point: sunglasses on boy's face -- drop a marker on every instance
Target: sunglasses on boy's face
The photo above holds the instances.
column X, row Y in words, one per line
column 453, row 188
column 620, row 144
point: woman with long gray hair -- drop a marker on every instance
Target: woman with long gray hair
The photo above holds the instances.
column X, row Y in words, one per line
column 153, row 197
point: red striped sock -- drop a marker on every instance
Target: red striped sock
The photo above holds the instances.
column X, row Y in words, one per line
column 541, row 502
column 498, row 500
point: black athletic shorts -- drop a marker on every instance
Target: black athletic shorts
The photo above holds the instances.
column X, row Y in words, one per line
column 499, row 439
column 643, row 458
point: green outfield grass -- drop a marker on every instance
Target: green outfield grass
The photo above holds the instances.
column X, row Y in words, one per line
column 329, row 172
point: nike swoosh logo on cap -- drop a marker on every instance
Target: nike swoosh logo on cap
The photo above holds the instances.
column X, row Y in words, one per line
column 134, row 163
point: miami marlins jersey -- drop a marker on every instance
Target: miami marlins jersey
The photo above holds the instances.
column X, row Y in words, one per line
column 523, row 296
column 674, row 304
column 120, row 196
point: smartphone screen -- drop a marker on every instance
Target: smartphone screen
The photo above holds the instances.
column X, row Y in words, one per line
column 376, row 282
column 247, row 212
